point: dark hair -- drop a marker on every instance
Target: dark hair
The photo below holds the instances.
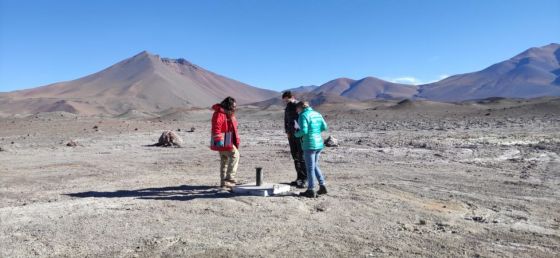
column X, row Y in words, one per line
column 287, row 94
column 302, row 104
column 228, row 104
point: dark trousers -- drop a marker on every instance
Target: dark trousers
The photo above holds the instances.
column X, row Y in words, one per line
column 297, row 155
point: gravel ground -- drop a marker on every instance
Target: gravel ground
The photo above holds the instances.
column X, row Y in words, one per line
column 405, row 181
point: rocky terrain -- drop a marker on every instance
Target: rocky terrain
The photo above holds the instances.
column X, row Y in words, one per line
column 474, row 179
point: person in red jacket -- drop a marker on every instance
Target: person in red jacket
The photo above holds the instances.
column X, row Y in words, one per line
column 225, row 140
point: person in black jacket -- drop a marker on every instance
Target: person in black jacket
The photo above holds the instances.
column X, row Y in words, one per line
column 290, row 125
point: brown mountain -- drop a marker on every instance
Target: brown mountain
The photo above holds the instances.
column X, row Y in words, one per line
column 347, row 90
column 143, row 82
column 366, row 88
column 533, row 73
column 303, row 89
column 315, row 99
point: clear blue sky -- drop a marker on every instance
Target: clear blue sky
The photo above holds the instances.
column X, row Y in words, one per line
column 270, row 44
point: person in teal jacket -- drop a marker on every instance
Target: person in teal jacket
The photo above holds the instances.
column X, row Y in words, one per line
column 311, row 124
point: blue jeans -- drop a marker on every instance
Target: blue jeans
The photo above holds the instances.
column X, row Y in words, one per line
column 312, row 164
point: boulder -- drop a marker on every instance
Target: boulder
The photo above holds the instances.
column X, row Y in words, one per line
column 331, row 142
column 169, row 139
column 72, row 143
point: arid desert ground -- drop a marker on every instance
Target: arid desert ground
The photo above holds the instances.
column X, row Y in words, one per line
column 476, row 179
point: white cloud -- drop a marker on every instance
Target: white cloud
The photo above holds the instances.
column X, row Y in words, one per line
column 411, row 80
column 406, row 80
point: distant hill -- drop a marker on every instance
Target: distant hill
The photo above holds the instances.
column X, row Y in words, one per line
column 366, row 88
column 303, row 89
column 533, row 73
column 143, row 82
column 315, row 99
column 347, row 90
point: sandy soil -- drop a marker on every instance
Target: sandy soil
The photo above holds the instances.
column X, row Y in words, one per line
column 415, row 179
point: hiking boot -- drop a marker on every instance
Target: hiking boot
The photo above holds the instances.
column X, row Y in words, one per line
column 309, row 194
column 231, row 181
column 322, row 190
column 300, row 184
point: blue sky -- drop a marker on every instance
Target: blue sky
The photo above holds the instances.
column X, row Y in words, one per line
column 271, row 44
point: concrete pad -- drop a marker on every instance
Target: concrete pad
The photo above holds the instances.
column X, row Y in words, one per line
column 266, row 189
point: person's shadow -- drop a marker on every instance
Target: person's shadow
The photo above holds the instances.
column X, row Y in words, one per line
column 174, row 193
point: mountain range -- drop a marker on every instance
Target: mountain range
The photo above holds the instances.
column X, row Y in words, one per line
column 531, row 74
column 150, row 83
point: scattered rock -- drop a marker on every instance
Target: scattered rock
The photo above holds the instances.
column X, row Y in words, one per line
column 192, row 130
column 72, row 143
column 441, row 226
column 479, row 219
column 419, row 220
column 2, row 149
column 331, row 142
column 540, row 145
column 406, row 227
column 135, row 129
column 169, row 139
column 420, row 145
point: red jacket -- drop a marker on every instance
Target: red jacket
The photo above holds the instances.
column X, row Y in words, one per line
column 224, row 129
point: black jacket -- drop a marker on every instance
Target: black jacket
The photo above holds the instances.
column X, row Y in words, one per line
column 290, row 117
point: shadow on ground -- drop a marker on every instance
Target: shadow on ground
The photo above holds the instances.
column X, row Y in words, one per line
column 173, row 193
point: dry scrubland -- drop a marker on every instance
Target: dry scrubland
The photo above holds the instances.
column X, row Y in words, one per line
column 409, row 179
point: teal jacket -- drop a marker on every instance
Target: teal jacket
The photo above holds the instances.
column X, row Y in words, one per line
column 311, row 125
